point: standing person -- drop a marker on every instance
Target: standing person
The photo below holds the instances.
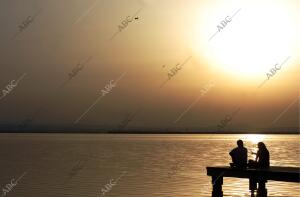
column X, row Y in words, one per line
column 239, row 155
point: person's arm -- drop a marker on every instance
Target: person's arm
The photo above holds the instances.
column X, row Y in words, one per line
column 257, row 155
column 231, row 152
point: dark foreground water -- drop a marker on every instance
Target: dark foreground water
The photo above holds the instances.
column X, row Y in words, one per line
column 67, row 165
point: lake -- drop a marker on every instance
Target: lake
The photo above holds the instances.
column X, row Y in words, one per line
column 94, row 165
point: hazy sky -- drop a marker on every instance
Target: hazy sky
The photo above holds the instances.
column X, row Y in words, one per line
column 41, row 43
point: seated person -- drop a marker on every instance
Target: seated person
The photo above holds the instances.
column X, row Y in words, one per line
column 262, row 157
column 239, row 155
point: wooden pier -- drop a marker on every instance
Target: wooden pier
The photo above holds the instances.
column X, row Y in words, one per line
column 255, row 176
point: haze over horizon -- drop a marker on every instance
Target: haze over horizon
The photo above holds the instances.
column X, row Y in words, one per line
column 170, row 64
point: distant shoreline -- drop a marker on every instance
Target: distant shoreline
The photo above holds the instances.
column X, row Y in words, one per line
column 114, row 129
column 148, row 133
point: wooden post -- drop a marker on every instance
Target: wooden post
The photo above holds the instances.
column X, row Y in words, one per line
column 252, row 184
column 217, row 182
column 262, row 191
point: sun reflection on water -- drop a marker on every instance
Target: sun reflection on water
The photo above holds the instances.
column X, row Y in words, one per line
column 254, row 138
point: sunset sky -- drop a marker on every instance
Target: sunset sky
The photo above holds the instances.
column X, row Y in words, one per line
column 213, row 70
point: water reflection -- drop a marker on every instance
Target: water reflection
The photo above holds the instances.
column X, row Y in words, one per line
column 157, row 165
column 254, row 138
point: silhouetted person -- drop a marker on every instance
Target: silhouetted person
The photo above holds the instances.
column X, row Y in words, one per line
column 262, row 157
column 239, row 155
column 262, row 160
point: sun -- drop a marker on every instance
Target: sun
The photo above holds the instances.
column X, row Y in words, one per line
column 260, row 35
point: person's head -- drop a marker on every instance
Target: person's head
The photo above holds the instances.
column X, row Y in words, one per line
column 240, row 143
column 261, row 145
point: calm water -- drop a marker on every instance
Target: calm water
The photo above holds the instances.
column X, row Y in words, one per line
column 70, row 165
